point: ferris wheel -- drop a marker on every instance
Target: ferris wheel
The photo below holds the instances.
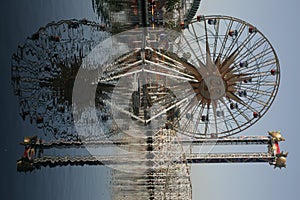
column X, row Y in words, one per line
column 236, row 76
column 214, row 79
column 43, row 71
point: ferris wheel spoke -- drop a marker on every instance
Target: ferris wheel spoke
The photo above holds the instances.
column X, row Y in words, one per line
column 201, row 65
column 167, row 68
column 216, row 28
column 225, row 66
column 258, row 43
column 162, row 111
column 261, row 53
column 250, row 89
column 259, row 56
column 242, row 46
column 258, row 75
column 249, row 107
column 182, row 89
column 208, row 55
column 266, row 83
column 229, row 60
column 192, row 116
column 223, row 117
column 264, row 70
column 264, row 64
column 221, row 52
column 168, row 64
column 163, row 74
column 197, row 41
column 197, row 73
column 234, row 41
column 253, row 74
column 260, row 102
column 187, row 107
column 232, row 96
column 197, row 122
column 235, row 54
column 231, row 114
column 240, row 101
column 214, row 107
column 243, row 114
column 178, row 64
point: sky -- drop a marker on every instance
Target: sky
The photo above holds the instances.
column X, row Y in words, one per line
column 278, row 21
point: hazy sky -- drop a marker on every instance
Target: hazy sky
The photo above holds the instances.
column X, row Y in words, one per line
column 278, row 21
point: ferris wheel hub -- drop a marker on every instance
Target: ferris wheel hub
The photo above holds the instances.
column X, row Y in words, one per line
column 212, row 87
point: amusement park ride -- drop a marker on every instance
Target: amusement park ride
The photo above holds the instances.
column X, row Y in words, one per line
column 169, row 93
